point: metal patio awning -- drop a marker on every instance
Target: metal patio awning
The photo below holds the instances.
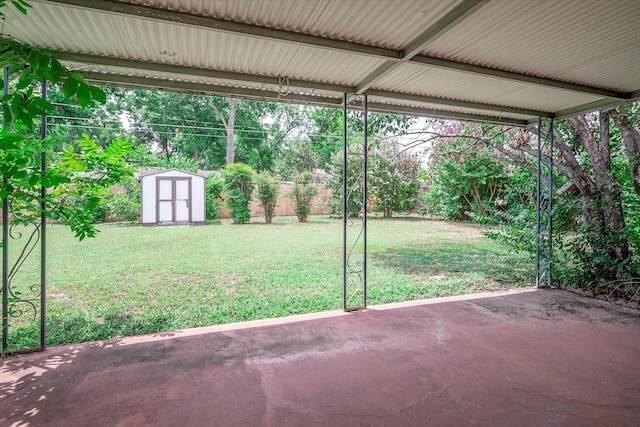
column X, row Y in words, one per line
column 501, row 61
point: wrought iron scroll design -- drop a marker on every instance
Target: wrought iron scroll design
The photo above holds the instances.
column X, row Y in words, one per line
column 23, row 297
column 544, row 208
column 354, row 209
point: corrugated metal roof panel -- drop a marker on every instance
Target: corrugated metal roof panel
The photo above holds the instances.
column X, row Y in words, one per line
column 571, row 40
column 386, row 23
column 324, row 44
column 79, row 30
column 420, row 80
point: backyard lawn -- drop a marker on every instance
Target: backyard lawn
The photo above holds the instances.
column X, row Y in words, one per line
column 132, row 280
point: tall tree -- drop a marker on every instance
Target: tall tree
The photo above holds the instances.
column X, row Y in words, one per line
column 101, row 121
column 229, row 125
column 325, row 129
column 211, row 130
column 600, row 190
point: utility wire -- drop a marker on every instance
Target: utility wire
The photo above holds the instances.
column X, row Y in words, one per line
column 138, row 116
column 150, row 127
column 145, row 130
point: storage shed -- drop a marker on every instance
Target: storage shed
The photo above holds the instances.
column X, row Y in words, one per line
column 172, row 196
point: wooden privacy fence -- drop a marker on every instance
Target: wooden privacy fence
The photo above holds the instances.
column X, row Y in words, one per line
column 284, row 206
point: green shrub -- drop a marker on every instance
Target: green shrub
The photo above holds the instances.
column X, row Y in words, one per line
column 214, row 188
column 302, row 195
column 124, row 208
column 124, row 204
column 80, row 203
column 354, row 182
column 238, row 184
column 267, row 189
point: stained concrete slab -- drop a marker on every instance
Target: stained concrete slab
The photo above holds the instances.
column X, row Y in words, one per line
column 526, row 358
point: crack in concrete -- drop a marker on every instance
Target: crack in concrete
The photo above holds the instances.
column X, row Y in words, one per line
column 323, row 421
column 596, row 405
column 441, row 392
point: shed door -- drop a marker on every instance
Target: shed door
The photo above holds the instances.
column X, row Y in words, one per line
column 182, row 200
column 173, row 200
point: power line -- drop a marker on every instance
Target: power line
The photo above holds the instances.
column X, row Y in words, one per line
column 159, row 124
column 155, row 132
column 182, row 126
column 150, row 127
column 120, row 112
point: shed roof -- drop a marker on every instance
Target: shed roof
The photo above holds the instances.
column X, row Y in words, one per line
column 152, row 171
column 505, row 61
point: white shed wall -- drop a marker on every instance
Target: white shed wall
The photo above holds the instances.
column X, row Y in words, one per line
column 198, row 199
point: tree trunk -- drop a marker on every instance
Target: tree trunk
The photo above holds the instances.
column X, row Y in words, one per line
column 632, row 146
column 477, row 197
column 164, row 143
column 387, row 212
column 602, row 207
column 229, row 126
column 268, row 211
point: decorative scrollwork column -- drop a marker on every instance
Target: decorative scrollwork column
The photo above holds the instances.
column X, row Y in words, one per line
column 544, row 209
column 23, row 265
column 354, row 209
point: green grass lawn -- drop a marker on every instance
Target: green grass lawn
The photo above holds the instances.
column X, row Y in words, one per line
column 132, row 280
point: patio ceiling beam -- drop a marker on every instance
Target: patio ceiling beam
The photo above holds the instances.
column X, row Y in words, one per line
column 209, row 89
column 191, row 71
column 457, row 103
column 444, row 24
column 267, row 95
column 442, row 114
column 515, row 77
column 249, row 30
column 258, row 79
column 604, row 104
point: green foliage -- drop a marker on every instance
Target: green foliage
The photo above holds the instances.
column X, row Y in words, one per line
column 179, row 124
column 30, row 64
column 21, row 5
column 327, row 129
column 466, row 181
column 141, row 156
column 75, row 176
column 214, row 187
column 238, row 182
column 302, row 195
column 394, row 179
column 630, row 198
column 179, row 162
column 101, row 121
column 295, row 158
column 267, row 189
column 194, row 127
column 354, row 181
column 79, row 202
column 595, row 229
column 87, row 175
column 253, row 145
column 124, row 202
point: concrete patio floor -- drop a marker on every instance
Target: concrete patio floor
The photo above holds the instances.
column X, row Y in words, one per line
column 521, row 358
